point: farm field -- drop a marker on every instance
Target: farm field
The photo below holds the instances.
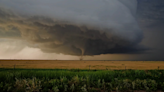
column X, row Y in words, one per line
column 58, row 64
column 81, row 76
column 58, row 80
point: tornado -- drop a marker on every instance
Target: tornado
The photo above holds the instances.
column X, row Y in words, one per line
column 72, row 27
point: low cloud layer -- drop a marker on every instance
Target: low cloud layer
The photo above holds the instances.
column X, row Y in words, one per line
column 72, row 27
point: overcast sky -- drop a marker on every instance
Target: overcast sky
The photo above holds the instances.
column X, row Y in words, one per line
column 94, row 29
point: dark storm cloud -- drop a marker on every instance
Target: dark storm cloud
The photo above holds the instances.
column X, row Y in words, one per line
column 70, row 29
column 150, row 12
column 150, row 16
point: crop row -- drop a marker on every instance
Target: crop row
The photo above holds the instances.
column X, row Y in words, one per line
column 22, row 80
column 78, row 84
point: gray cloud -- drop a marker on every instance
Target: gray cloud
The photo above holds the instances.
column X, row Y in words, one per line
column 72, row 27
column 150, row 12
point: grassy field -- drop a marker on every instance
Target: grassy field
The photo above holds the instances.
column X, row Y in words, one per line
column 57, row 64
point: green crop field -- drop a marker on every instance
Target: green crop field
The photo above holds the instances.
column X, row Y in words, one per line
column 75, row 80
